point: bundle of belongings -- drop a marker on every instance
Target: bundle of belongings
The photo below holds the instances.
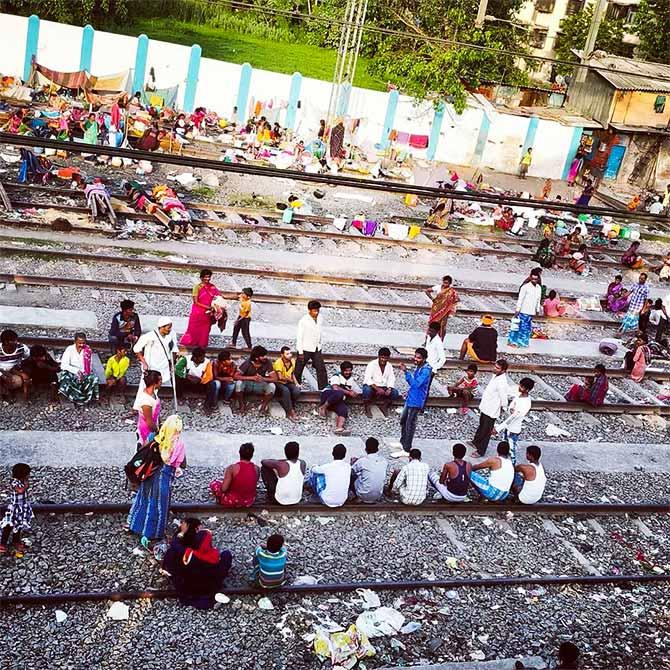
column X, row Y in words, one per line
column 163, row 204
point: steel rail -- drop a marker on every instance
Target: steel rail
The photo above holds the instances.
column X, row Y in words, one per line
column 276, row 298
column 364, row 359
column 431, row 233
column 457, row 509
column 335, row 180
column 345, row 587
column 300, row 232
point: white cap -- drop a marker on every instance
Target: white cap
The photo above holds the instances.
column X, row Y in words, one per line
column 164, row 321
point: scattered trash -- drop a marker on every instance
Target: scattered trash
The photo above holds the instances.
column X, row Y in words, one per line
column 451, row 410
column 185, row 179
column 323, row 520
column 452, row 563
column 452, row 595
column 265, row 604
column 60, row 616
column 210, row 180
column 399, row 454
column 397, row 644
column 221, row 598
column 477, row 655
column 329, row 625
column 212, row 519
column 410, row 627
column 345, row 648
column 305, row 580
column 483, row 638
column 555, row 431
column 380, row 622
column 138, row 552
column 118, row 611
column 276, row 430
column 370, row 599
column 537, row 592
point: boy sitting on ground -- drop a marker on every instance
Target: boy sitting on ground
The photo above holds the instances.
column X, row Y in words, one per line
column 270, row 563
column 116, row 368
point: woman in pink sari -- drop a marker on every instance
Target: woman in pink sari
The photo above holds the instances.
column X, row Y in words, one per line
column 203, row 314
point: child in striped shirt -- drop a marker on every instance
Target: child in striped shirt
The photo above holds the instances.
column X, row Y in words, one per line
column 270, row 563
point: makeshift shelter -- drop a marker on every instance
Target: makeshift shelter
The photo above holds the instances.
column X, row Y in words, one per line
column 103, row 90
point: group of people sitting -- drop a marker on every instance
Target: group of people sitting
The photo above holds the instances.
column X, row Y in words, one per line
column 370, row 478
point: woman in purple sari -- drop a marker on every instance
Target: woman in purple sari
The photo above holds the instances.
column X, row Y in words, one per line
column 617, row 297
column 201, row 318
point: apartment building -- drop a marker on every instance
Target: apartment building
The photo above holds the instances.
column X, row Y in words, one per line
column 543, row 18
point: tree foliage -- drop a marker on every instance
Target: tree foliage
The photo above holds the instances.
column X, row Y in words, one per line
column 652, row 25
column 575, row 28
column 77, row 12
column 444, row 71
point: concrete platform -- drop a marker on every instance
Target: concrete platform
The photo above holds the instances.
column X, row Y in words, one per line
column 338, row 265
column 83, row 320
column 210, row 449
column 48, row 318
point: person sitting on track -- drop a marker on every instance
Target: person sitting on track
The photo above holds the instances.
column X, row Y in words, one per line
column 255, row 376
column 238, row 486
column 501, row 475
column 125, row 327
column 116, row 368
column 76, row 380
column 12, row 355
column 368, row 474
column 482, row 344
column 330, row 481
column 530, row 479
column 379, row 383
column 333, row 397
column 196, row 568
column 270, row 563
column 465, row 387
column 411, row 481
column 287, row 387
column 39, row 370
column 452, row 483
column 223, row 383
column 594, row 389
column 284, row 478
column 193, row 372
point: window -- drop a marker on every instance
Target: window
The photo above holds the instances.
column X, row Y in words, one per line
column 574, row 7
column 546, row 6
column 538, row 37
column 659, row 104
column 617, row 12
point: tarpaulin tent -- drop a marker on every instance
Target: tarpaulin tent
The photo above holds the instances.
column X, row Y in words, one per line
column 160, row 97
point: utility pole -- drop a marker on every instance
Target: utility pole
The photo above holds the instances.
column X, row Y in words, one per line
column 598, row 13
column 481, row 13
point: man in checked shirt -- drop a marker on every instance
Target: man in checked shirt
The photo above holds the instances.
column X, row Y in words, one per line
column 411, row 481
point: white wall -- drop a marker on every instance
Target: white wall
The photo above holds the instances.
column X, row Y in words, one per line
column 60, row 45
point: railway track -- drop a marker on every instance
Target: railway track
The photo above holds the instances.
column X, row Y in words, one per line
column 283, row 298
column 268, row 223
column 333, row 180
column 624, row 402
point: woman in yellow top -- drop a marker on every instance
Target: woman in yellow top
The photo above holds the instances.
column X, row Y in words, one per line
column 287, row 388
column 243, row 321
column 116, row 368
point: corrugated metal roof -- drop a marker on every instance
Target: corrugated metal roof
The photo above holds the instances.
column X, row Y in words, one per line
column 647, row 130
column 633, row 75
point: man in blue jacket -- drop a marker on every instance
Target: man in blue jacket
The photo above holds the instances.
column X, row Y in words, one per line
column 419, row 384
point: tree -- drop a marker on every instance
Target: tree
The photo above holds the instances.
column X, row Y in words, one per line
column 575, row 28
column 78, row 12
column 652, row 25
column 424, row 68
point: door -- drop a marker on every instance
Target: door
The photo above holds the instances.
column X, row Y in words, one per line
column 614, row 161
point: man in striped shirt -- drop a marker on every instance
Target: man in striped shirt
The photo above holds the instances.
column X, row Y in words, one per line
column 270, row 563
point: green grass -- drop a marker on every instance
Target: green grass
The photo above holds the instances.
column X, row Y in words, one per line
column 236, row 47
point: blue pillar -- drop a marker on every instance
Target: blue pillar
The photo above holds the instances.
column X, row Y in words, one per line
column 86, row 48
column 530, row 134
column 572, row 151
column 482, row 138
column 435, row 131
column 293, row 99
column 32, row 38
column 243, row 93
column 192, row 78
column 389, row 119
column 343, row 101
column 140, row 63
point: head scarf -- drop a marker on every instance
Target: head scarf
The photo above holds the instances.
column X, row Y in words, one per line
column 164, row 321
column 169, row 441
